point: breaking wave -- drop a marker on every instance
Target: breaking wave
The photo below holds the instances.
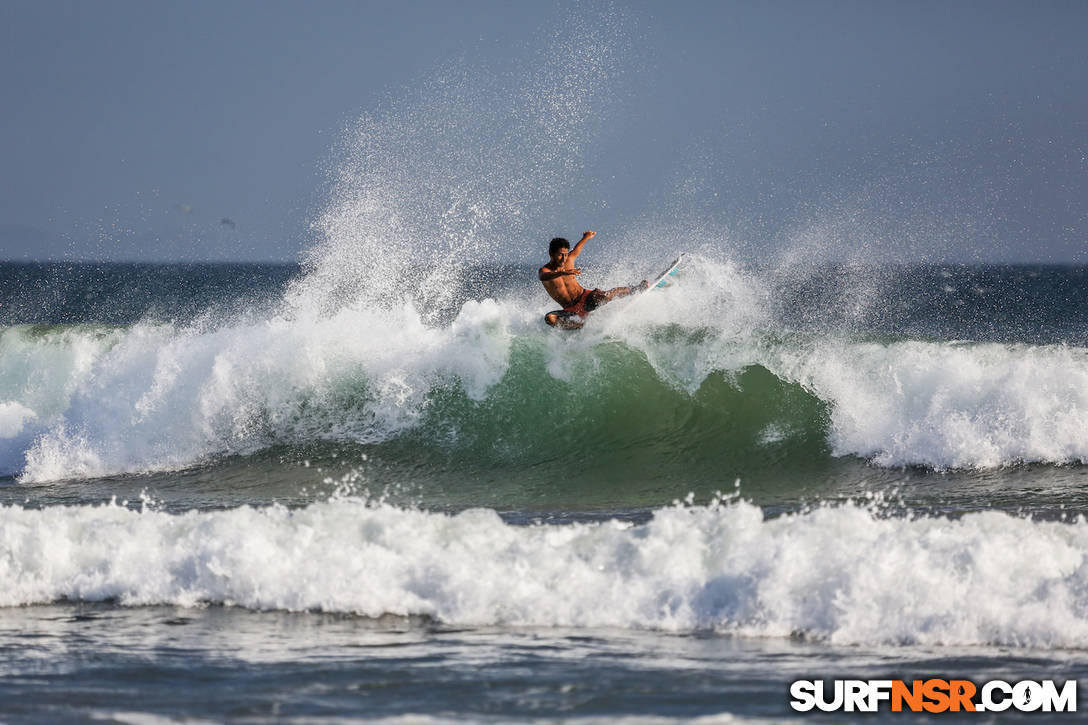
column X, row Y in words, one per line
column 840, row 574
column 494, row 386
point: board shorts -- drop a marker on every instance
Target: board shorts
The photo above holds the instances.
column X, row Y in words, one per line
column 588, row 301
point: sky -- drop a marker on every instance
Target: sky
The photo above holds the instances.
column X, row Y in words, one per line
column 207, row 131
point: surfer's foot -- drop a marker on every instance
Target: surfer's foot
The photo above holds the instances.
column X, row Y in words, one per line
column 643, row 285
column 554, row 319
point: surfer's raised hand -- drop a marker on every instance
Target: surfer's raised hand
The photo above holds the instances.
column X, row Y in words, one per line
column 578, row 247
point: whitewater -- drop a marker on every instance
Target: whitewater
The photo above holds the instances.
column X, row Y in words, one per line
column 842, row 574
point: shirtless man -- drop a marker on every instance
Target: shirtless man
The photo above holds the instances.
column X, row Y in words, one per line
column 559, row 277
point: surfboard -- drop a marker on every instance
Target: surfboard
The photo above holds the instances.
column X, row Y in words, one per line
column 662, row 280
column 665, row 278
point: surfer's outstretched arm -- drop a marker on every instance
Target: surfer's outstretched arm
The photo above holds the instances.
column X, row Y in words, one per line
column 548, row 274
column 578, row 247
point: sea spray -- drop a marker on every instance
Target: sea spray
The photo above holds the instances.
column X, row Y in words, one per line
column 465, row 172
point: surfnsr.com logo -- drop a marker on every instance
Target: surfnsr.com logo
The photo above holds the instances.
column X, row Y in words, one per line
column 934, row 695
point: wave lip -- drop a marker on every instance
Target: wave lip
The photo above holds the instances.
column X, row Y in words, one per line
column 843, row 574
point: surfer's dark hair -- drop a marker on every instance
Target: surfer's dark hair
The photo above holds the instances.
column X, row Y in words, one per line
column 556, row 244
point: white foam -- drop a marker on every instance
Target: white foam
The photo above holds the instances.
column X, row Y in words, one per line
column 13, row 416
column 840, row 574
column 160, row 398
column 948, row 405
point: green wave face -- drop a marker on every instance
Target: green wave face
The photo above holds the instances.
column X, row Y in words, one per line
column 614, row 433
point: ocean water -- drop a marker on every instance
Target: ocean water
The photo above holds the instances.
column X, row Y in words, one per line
column 220, row 505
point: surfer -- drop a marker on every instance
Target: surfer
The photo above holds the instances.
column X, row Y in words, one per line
column 559, row 277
